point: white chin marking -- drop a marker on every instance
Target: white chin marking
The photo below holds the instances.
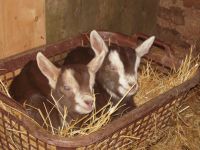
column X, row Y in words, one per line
column 82, row 110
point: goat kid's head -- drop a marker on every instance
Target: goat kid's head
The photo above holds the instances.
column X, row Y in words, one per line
column 75, row 82
column 119, row 70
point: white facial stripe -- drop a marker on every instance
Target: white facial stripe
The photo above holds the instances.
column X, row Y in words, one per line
column 71, row 82
column 125, row 80
column 68, row 78
column 116, row 61
column 79, row 97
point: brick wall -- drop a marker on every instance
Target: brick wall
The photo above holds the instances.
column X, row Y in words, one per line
column 178, row 23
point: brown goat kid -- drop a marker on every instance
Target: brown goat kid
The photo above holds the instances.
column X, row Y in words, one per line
column 71, row 85
column 118, row 72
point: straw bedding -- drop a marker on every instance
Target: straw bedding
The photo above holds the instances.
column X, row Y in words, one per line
column 153, row 83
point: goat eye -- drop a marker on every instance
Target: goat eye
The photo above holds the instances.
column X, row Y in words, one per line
column 67, row 88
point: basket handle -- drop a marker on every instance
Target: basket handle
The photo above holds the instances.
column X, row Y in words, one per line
column 169, row 60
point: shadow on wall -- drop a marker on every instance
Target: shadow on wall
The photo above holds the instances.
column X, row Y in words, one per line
column 65, row 19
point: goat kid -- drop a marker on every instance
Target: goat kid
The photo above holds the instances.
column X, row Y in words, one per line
column 118, row 73
column 71, row 85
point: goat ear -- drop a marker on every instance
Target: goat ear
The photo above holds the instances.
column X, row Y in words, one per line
column 144, row 47
column 142, row 50
column 48, row 69
column 97, row 43
column 99, row 47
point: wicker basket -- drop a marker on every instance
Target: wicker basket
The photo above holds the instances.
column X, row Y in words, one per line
column 18, row 131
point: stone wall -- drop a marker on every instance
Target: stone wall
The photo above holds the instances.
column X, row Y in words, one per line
column 178, row 23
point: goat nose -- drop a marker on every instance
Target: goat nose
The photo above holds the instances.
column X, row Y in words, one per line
column 89, row 103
